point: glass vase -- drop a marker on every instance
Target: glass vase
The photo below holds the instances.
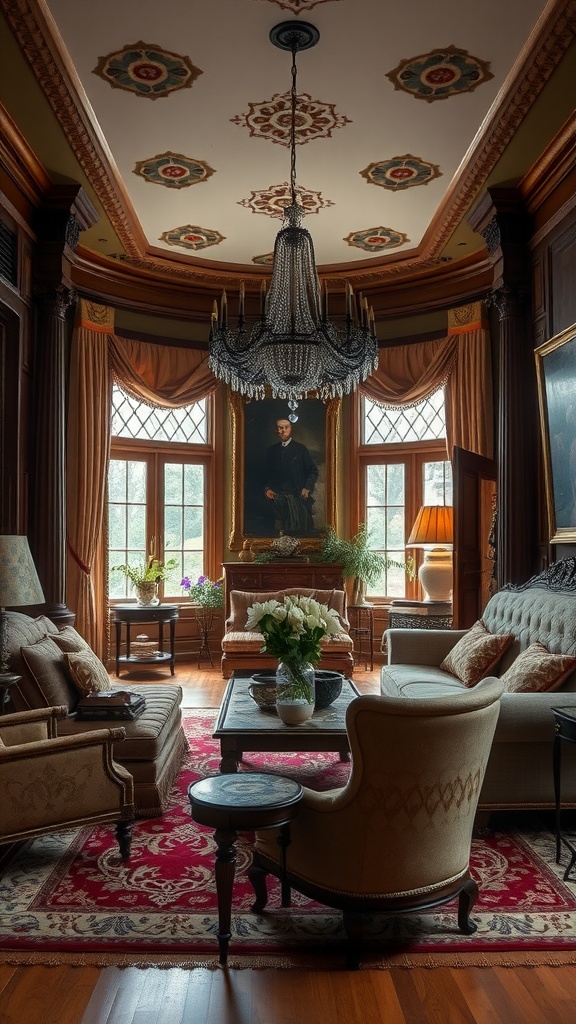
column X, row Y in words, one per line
column 295, row 692
column 147, row 593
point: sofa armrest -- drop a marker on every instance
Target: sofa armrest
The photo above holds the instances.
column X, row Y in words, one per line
column 37, row 724
column 421, row 646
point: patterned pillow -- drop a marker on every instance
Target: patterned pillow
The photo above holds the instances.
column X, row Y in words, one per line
column 475, row 655
column 45, row 663
column 69, row 640
column 87, row 672
column 535, row 670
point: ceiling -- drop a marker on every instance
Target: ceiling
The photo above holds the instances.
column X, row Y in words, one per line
column 174, row 116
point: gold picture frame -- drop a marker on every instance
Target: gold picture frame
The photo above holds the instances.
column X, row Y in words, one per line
column 253, row 432
column 556, row 375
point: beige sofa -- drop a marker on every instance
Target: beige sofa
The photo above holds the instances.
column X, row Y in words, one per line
column 241, row 647
column 519, row 772
column 155, row 743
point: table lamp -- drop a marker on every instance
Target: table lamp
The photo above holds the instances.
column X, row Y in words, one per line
column 433, row 531
column 19, row 585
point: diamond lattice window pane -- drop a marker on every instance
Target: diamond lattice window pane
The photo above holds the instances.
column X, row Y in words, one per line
column 423, row 422
column 131, row 418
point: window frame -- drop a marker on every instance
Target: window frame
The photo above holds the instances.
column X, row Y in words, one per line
column 156, row 454
column 413, row 454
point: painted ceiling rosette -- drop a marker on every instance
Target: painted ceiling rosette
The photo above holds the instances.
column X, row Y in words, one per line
column 174, row 170
column 440, row 73
column 376, row 239
column 271, row 119
column 297, row 6
column 191, row 236
column 147, row 70
column 273, row 200
column 400, row 172
column 266, row 260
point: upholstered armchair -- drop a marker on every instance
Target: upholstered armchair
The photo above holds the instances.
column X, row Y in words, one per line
column 50, row 783
column 397, row 837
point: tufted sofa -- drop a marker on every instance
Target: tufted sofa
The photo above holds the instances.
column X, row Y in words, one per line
column 155, row 743
column 519, row 772
column 241, row 647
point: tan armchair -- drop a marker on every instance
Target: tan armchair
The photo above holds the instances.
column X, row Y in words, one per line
column 397, row 837
column 50, row 783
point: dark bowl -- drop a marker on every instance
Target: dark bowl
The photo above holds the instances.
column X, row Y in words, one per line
column 328, row 687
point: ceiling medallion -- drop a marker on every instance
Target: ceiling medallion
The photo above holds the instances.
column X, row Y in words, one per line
column 401, row 172
column 173, row 170
column 192, row 237
column 376, row 239
column 147, row 70
column 297, row 6
column 440, row 74
column 293, row 349
column 271, row 119
column 266, row 260
column 274, row 200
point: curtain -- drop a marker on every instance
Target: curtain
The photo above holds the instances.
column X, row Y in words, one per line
column 407, row 374
column 158, row 374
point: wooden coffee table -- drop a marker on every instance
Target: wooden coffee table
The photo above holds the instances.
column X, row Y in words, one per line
column 241, row 725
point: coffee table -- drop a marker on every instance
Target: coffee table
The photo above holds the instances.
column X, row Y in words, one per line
column 241, row 725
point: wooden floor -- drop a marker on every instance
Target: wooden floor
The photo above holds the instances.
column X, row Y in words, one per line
column 81, row 995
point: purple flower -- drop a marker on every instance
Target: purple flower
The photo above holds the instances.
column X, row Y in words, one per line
column 186, row 583
column 201, row 579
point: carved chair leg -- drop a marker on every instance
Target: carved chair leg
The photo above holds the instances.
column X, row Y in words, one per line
column 257, row 877
column 124, row 837
column 354, row 928
column 466, row 900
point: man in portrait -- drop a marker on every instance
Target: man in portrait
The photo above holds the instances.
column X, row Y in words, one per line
column 290, row 475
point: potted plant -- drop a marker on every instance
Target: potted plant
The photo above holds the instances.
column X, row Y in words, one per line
column 145, row 577
column 359, row 562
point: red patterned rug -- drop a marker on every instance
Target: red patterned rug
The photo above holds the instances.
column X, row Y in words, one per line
column 68, row 898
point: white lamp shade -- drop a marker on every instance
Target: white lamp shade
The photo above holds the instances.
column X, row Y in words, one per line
column 19, row 583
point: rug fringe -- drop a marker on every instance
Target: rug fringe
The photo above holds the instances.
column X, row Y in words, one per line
column 400, row 961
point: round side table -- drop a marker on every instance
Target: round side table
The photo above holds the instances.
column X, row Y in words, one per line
column 244, row 802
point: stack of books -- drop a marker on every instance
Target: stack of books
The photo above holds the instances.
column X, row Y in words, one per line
column 116, row 705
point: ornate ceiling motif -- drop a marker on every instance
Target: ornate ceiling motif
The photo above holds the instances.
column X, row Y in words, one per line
column 173, row 170
column 401, row 172
column 273, row 200
column 297, row 6
column 440, row 74
column 192, row 237
column 266, row 260
column 271, row 119
column 376, row 239
column 147, row 70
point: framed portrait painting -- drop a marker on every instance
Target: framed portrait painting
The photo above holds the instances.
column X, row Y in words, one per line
column 283, row 470
column 556, row 371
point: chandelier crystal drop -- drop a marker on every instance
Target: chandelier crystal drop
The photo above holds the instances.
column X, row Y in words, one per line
column 293, row 349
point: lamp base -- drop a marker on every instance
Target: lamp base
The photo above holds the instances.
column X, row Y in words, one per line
column 435, row 575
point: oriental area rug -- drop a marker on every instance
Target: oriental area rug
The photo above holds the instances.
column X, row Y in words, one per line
column 69, row 899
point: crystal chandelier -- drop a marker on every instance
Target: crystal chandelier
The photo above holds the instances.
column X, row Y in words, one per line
column 293, row 349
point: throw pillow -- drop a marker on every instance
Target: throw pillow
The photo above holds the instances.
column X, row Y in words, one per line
column 45, row 662
column 69, row 640
column 475, row 655
column 536, row 670
column 88, row 672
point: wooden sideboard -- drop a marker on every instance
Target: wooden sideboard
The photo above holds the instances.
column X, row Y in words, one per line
column 270, row 576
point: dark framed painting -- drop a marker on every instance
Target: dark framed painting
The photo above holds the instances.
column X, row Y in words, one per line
column 280, row 487
column 556, row 371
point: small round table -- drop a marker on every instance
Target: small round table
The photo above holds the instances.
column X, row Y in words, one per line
column 135, row 613
column 244, row 802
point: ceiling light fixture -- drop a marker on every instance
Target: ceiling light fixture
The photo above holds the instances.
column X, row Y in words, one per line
column 293, row 348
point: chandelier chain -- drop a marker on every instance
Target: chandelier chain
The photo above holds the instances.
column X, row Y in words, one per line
column 294, row 99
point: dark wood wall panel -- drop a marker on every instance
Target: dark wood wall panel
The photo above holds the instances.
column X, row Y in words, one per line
column 562, row 279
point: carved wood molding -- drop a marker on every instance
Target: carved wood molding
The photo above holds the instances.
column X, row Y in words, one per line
column 558, row 577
